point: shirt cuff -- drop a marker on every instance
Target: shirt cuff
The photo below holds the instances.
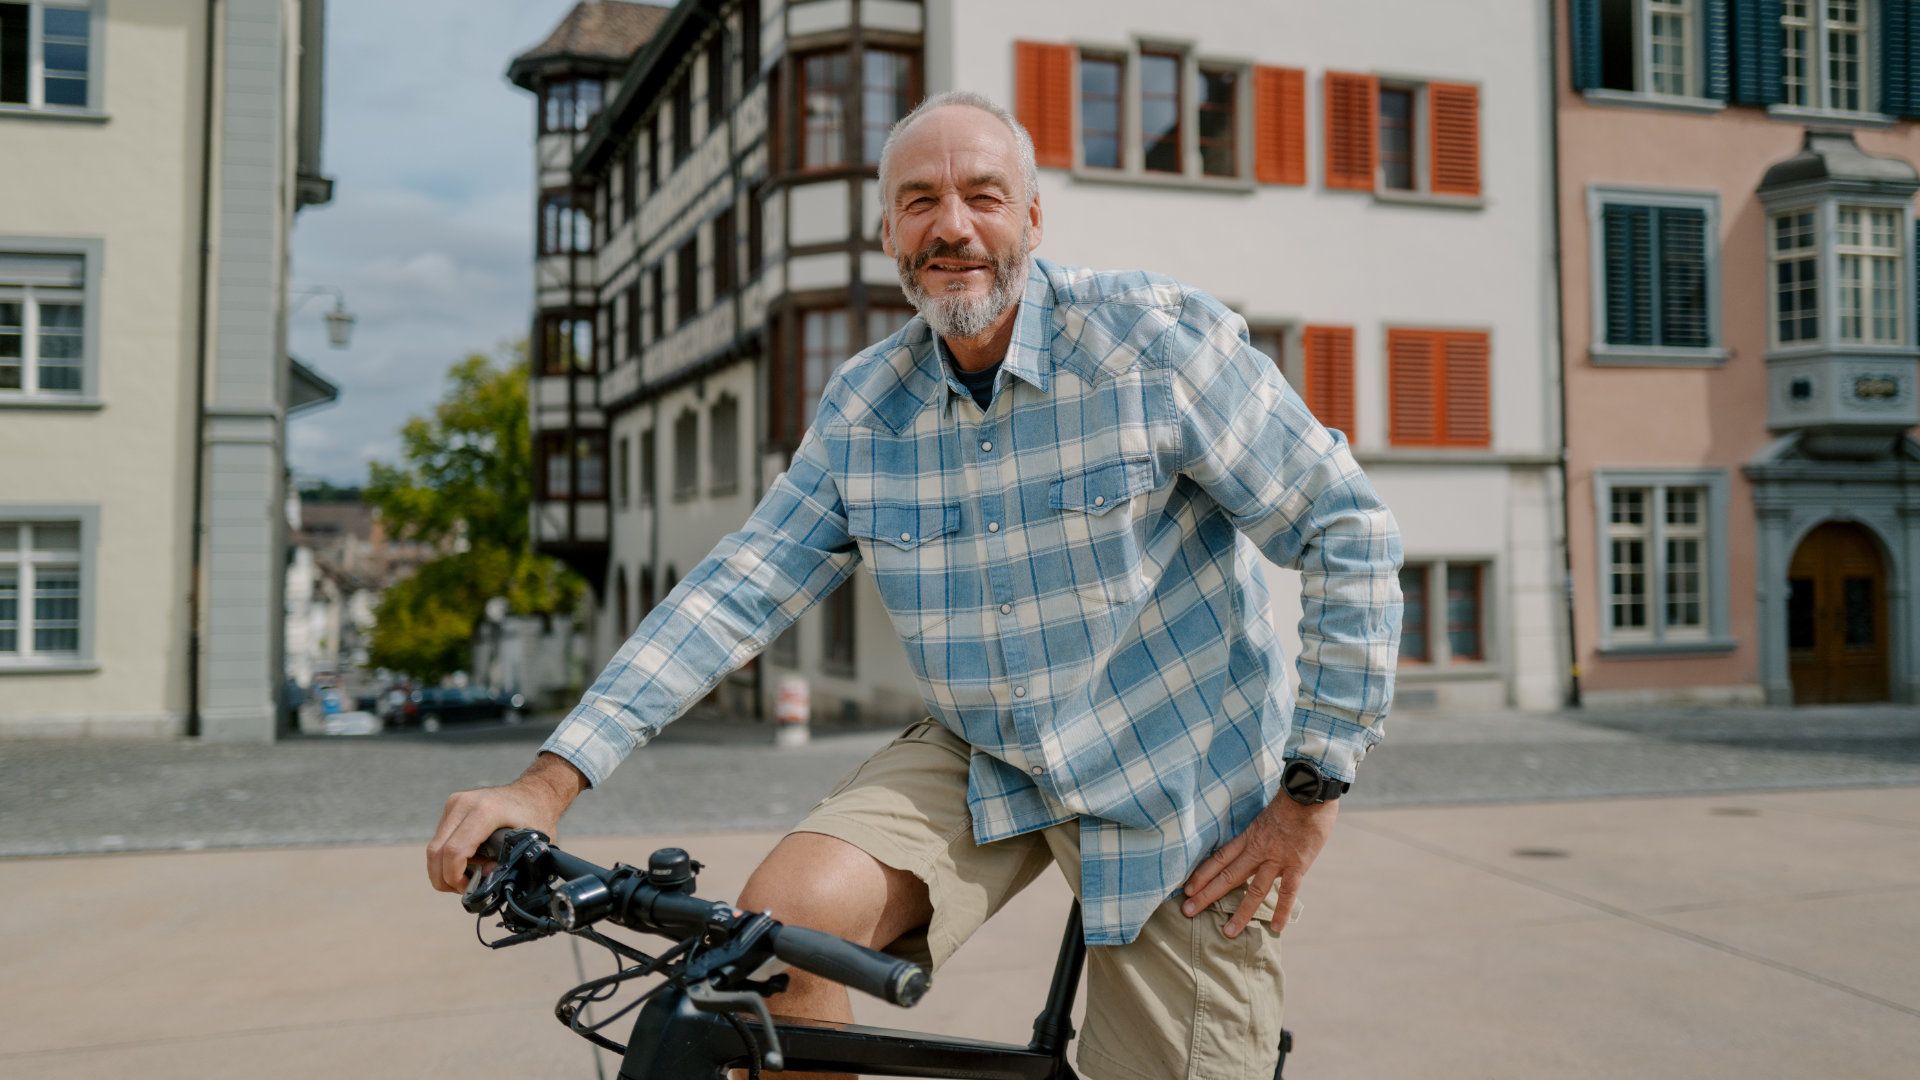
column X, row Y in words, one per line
column 594, row 742
column 1334, row 745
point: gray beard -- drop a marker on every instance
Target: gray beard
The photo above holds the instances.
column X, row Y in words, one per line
column 964, row 316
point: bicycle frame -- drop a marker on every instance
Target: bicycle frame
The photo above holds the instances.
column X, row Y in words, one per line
column 675, row 1039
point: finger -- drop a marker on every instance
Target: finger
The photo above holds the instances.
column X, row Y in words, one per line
column 1220, row 885
column 1251, row 899
column 464, row 848
column 1211, row 867
column 451, row 869
column 1283, row 904
column 449, row 820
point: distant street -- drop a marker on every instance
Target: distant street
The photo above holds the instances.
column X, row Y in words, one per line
column 83, row 796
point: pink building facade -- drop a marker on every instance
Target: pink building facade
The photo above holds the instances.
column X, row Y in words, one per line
column 1737, row 247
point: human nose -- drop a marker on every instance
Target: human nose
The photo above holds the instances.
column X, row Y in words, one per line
column 953, row 224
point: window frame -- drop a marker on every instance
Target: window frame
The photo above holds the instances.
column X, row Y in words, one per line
column 1825, row 207
column 686, row 459
column 723, row 447
column 623, row 472
column 23, row 660
column 91, row 253
column 36, row 101
column 839, row 631
column 570, row 223
column 914, row 91
column 1439, row 656
column 805, row 355
column 1599, row 352
column 1132, row 168
column 551, row 323
column 1715, row 635
column 1819, row 64
column 648, row 494
column 686, row 279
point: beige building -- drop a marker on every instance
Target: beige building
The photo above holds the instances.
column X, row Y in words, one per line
column 155, row 154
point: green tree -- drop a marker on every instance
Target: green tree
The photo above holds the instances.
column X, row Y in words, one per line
column 464, row 485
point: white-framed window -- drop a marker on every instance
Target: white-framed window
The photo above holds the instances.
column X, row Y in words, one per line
column 1825, row 62
column 1152, row 110
column 1793, row 255
column 1867, row 242
column 1652, row 47
column 1655, row 272
column 1445, row 605
column 48, row 319
column 1663, row 561
column 46, row 586
column 48, row 55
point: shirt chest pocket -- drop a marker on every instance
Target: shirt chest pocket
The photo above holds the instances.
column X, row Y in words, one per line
column 904, row 548
column 1098, row 514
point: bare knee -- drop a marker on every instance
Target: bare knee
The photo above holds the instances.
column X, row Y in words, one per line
column 825, row 883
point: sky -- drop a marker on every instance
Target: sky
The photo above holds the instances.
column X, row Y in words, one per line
column 430, row 231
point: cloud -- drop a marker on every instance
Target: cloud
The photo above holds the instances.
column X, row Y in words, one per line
column 430, row 232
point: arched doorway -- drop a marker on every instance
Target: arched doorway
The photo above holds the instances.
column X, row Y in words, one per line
column 1837, row 617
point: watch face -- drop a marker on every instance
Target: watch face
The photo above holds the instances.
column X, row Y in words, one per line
column 1302, row 782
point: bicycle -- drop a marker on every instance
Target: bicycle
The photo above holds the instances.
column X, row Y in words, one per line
column 726, row 962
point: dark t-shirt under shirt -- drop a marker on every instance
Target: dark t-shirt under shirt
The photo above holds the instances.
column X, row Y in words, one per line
column 978, row 383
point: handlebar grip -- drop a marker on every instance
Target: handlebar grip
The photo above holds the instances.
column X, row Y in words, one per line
column 891, row 979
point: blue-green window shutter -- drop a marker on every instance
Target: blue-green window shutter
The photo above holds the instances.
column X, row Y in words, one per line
column 1719, row 52
column 1900, row 58
column 1586, row 44
column 1916, row 281
column 1757, row 45
column 1628, row 233
column 1682, row 277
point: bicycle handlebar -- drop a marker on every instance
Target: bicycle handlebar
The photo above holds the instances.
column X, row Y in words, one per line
column 660, row 901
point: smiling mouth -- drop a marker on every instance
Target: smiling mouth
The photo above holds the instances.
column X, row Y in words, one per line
column 954, row 268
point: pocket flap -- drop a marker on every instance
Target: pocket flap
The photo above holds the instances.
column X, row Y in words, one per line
column 904, row 526
column 1102, row 487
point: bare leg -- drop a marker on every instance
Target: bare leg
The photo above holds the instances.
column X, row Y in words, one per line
column 825, row 883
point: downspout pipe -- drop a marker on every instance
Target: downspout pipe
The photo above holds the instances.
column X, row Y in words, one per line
column 200, row 373
column 1560, row 353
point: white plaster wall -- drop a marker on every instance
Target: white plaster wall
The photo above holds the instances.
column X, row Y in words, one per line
column 134, row 183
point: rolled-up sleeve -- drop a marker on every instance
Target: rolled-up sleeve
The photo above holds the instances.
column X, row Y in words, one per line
column 1292, row 486
column 792, row 552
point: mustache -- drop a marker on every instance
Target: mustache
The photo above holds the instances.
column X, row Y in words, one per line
column 940, row 249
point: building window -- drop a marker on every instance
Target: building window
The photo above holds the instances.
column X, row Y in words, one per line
column 883, row 320
column 723, row 253
column 570, row 104
column 564, row 227
column 1824, row 54
column 1795, row 254
column 46, row 54
column 1656, row 265
column 633, row 319
column 646, row 468
column 686, row 455
column 717, row 80
column 1438, row 388
column 617, row 333
column 686, row 280
column 45, row 586
column 1454, row 632
column 1868, row 243
column 837, row 617
column 623, row 474
column 658, row 314
column 756, row 233
column 590, row 465
column 1397, row 171
column 1160, row 109
column 566, row 344
column 824, row 79
column 1218, row 93
column 823, row 345
column 555, row 476
column 888, row 91
column 724, row 448
column 47, row 322
column 653, row 153
column 1651, row 46
column 1663, row 558
column 1102, row 112
column 682, row 121
column 785, row 650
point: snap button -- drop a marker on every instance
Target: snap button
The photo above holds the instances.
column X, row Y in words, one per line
column 1039, row 770
column 1099, row 500
column 904, row 537
column 1006, row 609
column 986, row 444
column 1019, row 691
column 993, row 526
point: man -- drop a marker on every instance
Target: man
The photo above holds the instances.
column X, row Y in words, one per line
column 1049, row 474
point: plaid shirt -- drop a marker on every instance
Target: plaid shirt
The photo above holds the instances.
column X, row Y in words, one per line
column 1073, row 574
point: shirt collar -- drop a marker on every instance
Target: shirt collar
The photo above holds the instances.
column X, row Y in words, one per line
column 1029, row 354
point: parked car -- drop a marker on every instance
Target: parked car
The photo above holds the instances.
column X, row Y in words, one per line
column 435, row 706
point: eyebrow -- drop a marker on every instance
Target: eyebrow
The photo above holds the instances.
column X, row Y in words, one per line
column 979, row 180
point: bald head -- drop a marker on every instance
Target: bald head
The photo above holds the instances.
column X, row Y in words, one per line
column 959, row 113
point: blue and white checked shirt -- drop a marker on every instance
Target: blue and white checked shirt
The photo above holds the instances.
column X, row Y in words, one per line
column 1067, row 573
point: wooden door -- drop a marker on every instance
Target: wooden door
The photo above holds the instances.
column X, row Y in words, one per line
column 1837, row 617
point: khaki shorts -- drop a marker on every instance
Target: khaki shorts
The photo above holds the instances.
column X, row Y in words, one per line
column 1180, row 1001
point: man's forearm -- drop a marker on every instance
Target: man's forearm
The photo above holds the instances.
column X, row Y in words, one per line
column 556, row 778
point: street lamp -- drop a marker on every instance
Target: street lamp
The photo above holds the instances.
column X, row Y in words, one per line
column 339, row 321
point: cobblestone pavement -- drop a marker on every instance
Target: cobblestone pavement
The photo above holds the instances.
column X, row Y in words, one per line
column 91, row 796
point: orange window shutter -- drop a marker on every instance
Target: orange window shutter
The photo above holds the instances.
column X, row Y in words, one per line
column 1353, row 145
column 1043, row 100
column 1453, row 118
column 1280, row 125
column 1329, row 391
column 1466, row 401
column 1413, row 408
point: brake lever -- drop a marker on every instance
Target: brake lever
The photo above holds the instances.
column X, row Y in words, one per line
column 708, row 999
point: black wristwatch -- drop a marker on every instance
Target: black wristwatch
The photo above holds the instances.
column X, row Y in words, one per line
column 1308, row 786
